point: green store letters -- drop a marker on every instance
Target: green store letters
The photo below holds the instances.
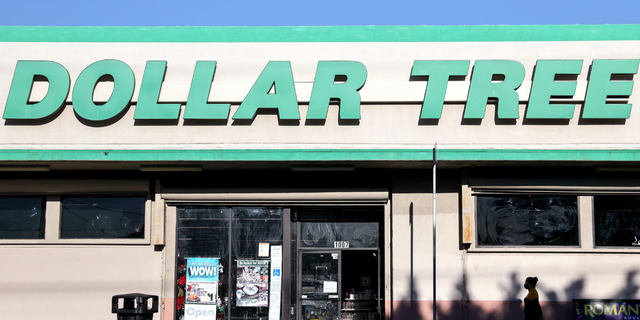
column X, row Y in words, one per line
column 341, row 80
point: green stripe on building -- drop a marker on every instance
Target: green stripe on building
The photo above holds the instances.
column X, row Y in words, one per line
column 321, row 155
column 323, row 34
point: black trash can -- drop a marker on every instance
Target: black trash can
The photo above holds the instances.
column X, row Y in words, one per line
column 135, row 306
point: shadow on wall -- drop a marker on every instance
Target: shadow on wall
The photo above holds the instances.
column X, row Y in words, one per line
column 631, row 289
column 410, row 309
column 476, row 308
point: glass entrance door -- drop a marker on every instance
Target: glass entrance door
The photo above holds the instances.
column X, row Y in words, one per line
column 360, row 284
column 339, row 285
column 319, row 285
column 338, row 268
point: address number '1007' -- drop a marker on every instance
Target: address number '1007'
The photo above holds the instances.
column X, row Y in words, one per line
column 341, row 244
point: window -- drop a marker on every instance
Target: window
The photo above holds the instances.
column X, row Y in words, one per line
column 22, row 218
column 324, row 234
column 617, row 221
column 103, row 218
column 234, row 236
column 531, row 220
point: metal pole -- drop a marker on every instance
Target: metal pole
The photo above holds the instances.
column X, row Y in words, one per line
column 435, row 161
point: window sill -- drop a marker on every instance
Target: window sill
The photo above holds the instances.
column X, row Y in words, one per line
column 145, row 241
column 577, row 250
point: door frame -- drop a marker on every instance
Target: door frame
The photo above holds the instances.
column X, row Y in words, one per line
column 340, row 251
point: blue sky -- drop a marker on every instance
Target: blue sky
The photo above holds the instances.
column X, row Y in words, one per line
column 315, row 13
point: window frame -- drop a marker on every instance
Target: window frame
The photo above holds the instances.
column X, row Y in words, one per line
column 171, row 199
column 53, row 219
column 147, row 210
column 545, row 247
column 44, row 208
column 593, row 217
column 586, row 220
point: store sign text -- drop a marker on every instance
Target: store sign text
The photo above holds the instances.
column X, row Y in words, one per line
column 491, row 80
column 209, row 314
column 585, row 309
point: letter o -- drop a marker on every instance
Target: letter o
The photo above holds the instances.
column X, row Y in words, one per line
column 190, row 311
column 595, row 309
column 123, row 86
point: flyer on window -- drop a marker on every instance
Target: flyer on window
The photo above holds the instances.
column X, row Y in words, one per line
column 201, row 288
column 252, row 285
column 276, row 282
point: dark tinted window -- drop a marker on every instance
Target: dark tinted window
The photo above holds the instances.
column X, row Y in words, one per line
column 250, row 227
column 617, row 220
column 202, row 232
column 22, row 218
column 527, row 220
column 100, row 218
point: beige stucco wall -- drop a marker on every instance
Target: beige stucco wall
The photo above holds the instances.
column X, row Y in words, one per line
column 412, row 240
column 76, row 281
column 482, row 283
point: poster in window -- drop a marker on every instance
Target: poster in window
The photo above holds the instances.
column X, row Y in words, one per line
column 252, row 286
column 275, row 291
column 202, row 288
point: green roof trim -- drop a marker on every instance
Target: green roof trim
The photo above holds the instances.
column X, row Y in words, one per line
column 323, row 34
column 349, row 155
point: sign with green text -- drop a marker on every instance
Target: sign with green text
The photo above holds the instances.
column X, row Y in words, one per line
column 491, row 81
column 585, row 309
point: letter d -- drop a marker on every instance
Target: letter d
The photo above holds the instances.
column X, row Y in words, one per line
column 18, row 106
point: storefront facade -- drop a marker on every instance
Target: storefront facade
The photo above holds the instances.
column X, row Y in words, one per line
column 292, row 172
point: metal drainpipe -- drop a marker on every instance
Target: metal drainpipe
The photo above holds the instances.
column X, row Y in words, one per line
column 435, row 161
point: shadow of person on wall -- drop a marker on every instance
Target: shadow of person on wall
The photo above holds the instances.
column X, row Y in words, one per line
column 630, row 288
column 552, row 307
column 467, row 307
